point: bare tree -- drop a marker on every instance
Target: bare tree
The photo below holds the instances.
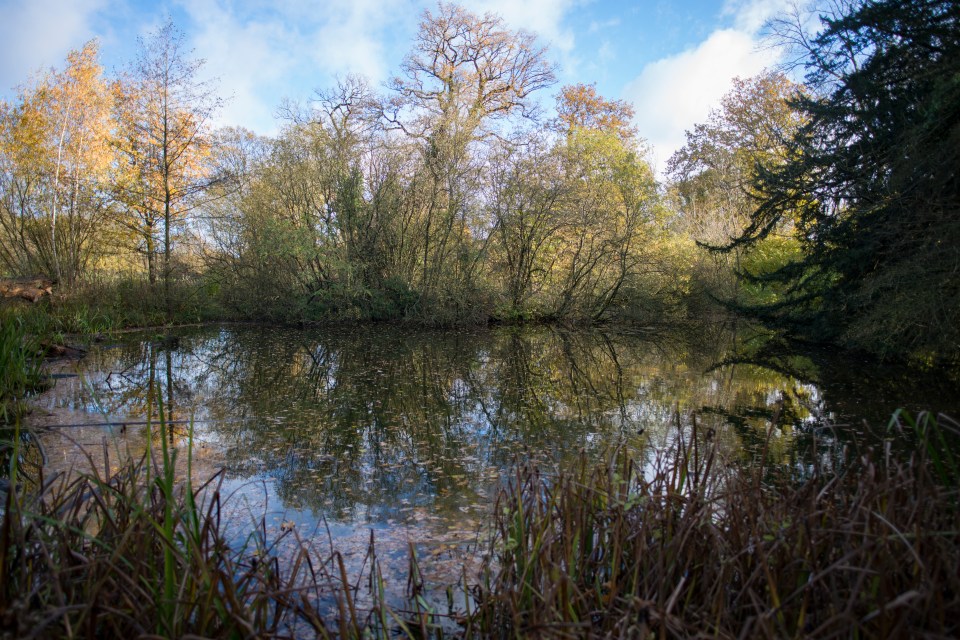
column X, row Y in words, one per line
column 465, row 69
column 466, row 75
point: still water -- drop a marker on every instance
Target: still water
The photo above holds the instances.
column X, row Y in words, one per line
column 338, row 432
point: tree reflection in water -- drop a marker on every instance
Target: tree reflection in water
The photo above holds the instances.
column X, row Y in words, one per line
column 401, row 431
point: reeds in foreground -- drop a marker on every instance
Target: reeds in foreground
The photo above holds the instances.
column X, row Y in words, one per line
column 137, row 554
column 688, row 549
column 684, row 545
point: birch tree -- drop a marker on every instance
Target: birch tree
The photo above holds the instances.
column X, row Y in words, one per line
column 56, row 145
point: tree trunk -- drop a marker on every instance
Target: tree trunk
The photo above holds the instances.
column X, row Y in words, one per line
column 151, row 256
column 168, row 302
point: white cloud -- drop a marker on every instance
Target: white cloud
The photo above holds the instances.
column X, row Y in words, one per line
column 352, row 37
column 673, row 94
column 263, row 52
column 606, row 52
column 249, row 59
column 596, row 27
column 542, row 17
column 751, row 15
column 37, row 34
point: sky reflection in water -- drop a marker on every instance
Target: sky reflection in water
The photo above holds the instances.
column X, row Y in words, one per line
column 341, row 431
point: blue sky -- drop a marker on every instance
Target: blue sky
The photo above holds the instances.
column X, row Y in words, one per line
column 671, row 60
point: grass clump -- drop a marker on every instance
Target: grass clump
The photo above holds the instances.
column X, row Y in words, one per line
column 690, row 547
column 19, row 368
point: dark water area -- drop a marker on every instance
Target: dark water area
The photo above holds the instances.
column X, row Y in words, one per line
column 341, row 431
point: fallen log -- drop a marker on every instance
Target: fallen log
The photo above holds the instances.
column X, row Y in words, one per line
column 30, row 289
column 53, row 350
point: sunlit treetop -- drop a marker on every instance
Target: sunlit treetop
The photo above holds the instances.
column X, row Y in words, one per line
column 579, row 106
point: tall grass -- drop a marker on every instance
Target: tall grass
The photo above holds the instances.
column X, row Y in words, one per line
column 19, row 368
column 103, row 305
column 685, row 544
column 137, row 553
column 692, row 548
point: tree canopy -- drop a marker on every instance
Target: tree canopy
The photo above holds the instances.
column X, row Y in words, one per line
column 826, row 207
column 871, row 179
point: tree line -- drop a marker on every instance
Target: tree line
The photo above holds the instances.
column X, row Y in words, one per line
column 826, row 207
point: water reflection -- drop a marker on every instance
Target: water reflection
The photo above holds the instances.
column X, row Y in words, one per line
column 384, row 428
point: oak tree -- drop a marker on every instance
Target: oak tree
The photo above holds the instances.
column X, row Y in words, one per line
column 579, row 106
column 466, row 77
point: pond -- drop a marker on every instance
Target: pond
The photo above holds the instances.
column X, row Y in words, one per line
column 337, row 432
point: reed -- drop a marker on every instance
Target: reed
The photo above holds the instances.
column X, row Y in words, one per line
column 689, row 547
column 138, row 553
column 19, row 367
column 680, row 544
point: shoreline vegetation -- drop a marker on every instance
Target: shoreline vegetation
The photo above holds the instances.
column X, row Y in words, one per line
column 690, row 545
